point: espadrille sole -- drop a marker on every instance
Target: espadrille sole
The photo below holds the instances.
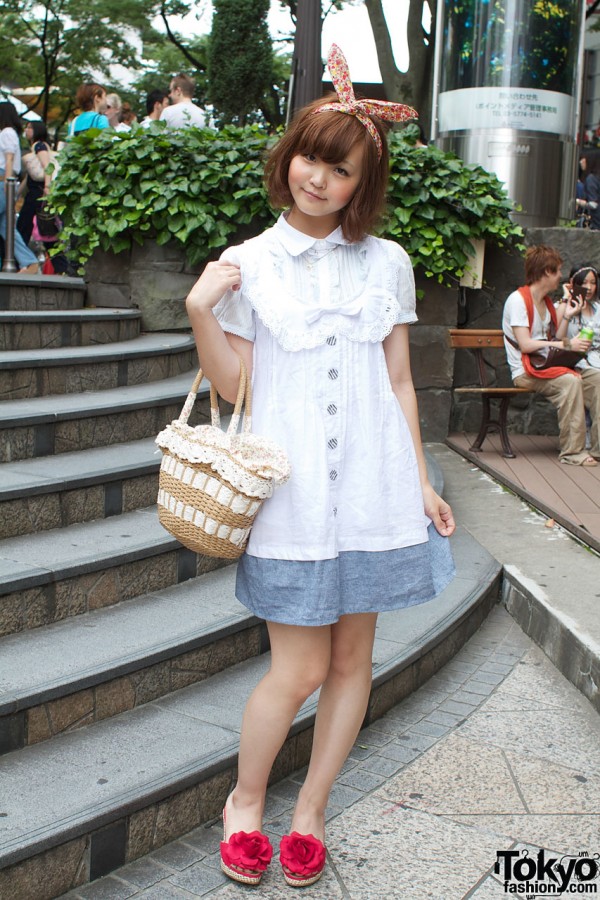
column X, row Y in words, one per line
column 302, row 882
column 238, row 876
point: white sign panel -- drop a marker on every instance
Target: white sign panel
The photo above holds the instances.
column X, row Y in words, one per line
column 511, row 107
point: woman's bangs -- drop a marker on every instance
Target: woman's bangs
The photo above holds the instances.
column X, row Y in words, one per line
column 330, row 135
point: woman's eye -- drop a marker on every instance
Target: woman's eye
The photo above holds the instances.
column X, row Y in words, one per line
column 310, row 157
column 341, row 171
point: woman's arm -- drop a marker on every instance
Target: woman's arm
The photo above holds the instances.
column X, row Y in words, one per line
column 218, row 352
column 397, row 356
column 569, row 307
column 44, row 158
column 8, row 165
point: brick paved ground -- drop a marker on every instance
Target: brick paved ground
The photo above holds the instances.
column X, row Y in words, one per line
column 496, row 751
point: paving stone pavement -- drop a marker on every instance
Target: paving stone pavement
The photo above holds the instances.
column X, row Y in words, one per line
column 496, row 754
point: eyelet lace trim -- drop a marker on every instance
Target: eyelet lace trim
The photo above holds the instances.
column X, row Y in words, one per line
column 250, row 463
column 285, row 316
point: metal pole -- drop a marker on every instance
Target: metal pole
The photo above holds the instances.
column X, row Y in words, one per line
column 9, row 264
column 437, row 67
column 579, row 124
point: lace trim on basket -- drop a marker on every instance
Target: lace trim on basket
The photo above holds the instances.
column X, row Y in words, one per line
column 370, row 320
column 252, row 464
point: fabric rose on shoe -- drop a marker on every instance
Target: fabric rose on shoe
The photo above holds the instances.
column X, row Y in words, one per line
column 251, row 851
column 302, row 854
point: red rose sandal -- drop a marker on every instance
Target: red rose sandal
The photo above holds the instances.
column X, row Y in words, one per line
column 245, row 856
column 302, row 858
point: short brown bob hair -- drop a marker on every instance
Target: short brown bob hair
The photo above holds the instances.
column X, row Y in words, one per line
column 331, row 135
column 539, row 260
column 87, row 93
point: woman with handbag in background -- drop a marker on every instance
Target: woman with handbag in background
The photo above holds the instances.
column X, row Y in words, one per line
column 37, row 181
column 319, row 312
column 530, row 325
column 10, row 165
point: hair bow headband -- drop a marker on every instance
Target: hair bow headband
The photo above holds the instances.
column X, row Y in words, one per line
column 362, row 109
column 585, row 269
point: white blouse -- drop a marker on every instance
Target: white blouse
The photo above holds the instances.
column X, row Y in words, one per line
column 317, row 312
column 9, row 143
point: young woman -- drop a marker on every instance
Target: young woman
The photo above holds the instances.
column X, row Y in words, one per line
column 35, row 188
column 319, row 311
column 10, row 165
column 91, row 100
column 580, row 307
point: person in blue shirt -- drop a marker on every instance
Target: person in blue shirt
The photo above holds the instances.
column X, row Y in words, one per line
column 91, row 100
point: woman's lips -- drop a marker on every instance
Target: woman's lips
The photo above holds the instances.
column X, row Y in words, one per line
column 314, row 196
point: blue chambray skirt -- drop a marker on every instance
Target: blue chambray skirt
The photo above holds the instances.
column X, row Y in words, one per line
column 318, row 592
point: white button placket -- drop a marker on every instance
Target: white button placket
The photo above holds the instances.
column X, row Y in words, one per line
column 332, row 395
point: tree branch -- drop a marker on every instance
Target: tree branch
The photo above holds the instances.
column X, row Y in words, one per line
column 592, row 9
column 175, row 40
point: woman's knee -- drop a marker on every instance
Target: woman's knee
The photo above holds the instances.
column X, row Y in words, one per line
column 300, row 683
column 352, row 647
column 299, row 658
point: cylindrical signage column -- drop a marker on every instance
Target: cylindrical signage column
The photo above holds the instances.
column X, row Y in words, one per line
column 507, row 96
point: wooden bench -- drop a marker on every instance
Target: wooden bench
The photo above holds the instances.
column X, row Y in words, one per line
column 477, row 340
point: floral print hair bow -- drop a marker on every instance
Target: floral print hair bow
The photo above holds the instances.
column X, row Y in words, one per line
column 362, row 109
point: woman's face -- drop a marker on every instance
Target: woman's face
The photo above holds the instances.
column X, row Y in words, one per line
column 29, row 133
column 590, row 284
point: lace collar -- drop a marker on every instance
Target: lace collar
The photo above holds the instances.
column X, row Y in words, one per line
column 367, row 312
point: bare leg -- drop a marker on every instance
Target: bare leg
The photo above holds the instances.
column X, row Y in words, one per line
column 340, row 713
column 300, row 660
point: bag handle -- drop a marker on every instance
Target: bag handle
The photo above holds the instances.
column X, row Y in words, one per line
column 244, row 397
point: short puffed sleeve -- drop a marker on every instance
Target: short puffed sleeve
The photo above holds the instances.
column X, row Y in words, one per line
column 234, row 311
column 404, row 283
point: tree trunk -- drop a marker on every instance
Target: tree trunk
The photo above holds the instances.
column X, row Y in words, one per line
column 307, row 66
column 413, row 87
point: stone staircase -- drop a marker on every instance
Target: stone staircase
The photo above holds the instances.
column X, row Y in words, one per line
column 125, row 660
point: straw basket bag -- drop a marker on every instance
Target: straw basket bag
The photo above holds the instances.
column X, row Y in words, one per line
column 212, row 483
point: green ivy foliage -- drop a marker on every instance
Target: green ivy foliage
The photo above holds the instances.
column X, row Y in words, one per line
column 195, row 186
column 202, row 188
column 438, row 205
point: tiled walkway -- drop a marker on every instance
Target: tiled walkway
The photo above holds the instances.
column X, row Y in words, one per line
column 496, row 752
column 569, row 494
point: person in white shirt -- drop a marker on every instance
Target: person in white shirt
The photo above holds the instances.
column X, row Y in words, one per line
column 530, row 325
column 10, row 166
column 183, row 113
column 319, row 311
column 156, row 101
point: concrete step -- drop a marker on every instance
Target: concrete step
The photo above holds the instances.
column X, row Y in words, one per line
column 85, row 802
column 70, row 370
column 42, row 292
column 62, row 328
column 55, row 491
column 65, row 676
column 52, row 575
column 63, row 423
